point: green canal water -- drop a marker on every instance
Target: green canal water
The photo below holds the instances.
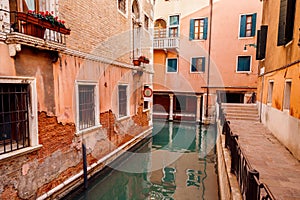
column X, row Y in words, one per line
column 177, row 162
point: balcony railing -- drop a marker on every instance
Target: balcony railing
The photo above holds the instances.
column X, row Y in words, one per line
column 34, row 31
column 166, row 43
column 161, row 41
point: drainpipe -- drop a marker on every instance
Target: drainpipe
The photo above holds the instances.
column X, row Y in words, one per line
column 209, row 52
column 84, row 166
column 261, row 97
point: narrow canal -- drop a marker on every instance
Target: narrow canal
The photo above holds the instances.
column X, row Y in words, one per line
column 178, row 162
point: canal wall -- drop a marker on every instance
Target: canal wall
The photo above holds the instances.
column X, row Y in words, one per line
column 73, row 182
column 228, row 185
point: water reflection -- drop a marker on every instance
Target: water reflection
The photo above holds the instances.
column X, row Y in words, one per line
column 178, row 162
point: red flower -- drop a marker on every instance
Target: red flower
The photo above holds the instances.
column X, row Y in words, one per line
column 62, row 21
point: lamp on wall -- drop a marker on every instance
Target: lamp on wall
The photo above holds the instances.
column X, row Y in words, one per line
column 250, row 45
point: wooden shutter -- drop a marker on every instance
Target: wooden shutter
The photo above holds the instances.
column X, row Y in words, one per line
column 282, row 23
column 243, row 26
column 286, row 21
column 261, row 42
column 192, row 29
column 253, row 28
column 205, row 28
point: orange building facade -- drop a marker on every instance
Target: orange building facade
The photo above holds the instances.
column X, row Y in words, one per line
column 67, row 78
column 185, row 36
column 279, row 67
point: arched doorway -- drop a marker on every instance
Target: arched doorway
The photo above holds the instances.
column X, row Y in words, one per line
column 160, row 28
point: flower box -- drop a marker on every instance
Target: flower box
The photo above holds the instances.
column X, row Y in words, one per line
column 136, row 62
column 43, row 22
column 143, row 59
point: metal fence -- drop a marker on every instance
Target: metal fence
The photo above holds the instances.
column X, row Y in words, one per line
column 248, row 178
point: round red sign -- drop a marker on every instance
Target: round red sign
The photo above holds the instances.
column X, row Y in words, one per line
column 147, row 92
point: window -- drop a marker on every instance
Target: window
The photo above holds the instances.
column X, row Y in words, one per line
column 244, row 63
column 18, row 118
column 198, row 64
column 122, row 6
column 87, row 106
column 248, row 25
column 286, row 21
column 123, row 105
column 146, row 22
column 171, row 64
column 287, row 95
column 270, row 92
column 174, row 26
column 198, row 29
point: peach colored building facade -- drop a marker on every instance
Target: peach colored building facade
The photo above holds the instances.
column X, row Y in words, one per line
column 279, row 83
column 181, row 52
column 60, row 89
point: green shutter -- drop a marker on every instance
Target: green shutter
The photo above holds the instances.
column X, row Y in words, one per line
column 192, row 29
column 253, row 28
column 194, row 67
column 205, row 28
column 243, row 26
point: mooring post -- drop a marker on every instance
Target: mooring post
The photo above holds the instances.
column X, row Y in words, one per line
column 84, row 166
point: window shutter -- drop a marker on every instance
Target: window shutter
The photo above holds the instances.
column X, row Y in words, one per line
column 243, row 26
column 192, row 29
column 282, row 23
column 261, row 42
column 194, row 67
column 205, row 28
column 203, row 64
column 253, row 28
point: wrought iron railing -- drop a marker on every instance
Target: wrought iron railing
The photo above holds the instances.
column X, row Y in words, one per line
column 248, row 178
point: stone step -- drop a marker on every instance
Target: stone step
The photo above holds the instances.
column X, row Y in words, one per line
column 241, row 115
column 240, row 111
column 243, row 118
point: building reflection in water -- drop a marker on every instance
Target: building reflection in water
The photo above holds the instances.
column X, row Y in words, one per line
column 178, row 162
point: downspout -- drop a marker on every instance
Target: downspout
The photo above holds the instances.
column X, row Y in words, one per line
column 209, row 52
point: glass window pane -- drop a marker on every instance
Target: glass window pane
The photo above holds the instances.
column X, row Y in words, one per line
column 172, row 65
column 174, row 20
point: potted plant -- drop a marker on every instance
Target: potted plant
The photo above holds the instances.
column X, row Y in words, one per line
column 143, row 59
column 136, row 62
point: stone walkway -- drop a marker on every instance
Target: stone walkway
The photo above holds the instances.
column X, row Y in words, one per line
column 276, row 165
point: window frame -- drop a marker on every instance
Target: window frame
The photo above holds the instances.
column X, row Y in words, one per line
column 125, row 13
column 148, row 25
column 203, row 67
column 270, row 92
column 240, row 25
column 127, row 101
column 284, row 102
column 205, row 29
column 173, row 26
column 237, row 64
column 32, row 113
column 167, row 59
column 96, row 104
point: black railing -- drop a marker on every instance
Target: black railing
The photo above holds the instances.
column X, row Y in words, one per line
column 248, row 178
column 31, row 25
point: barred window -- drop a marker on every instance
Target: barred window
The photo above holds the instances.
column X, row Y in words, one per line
column 86, row 94
column 14, row 122
column 122, row 100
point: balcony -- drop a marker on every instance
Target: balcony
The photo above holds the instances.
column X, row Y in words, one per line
column 161, row 41
column 37, row 31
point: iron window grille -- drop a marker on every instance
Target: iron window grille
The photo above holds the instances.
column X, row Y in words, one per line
column 86, row 95
column 122, row 101
column 14, row 119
